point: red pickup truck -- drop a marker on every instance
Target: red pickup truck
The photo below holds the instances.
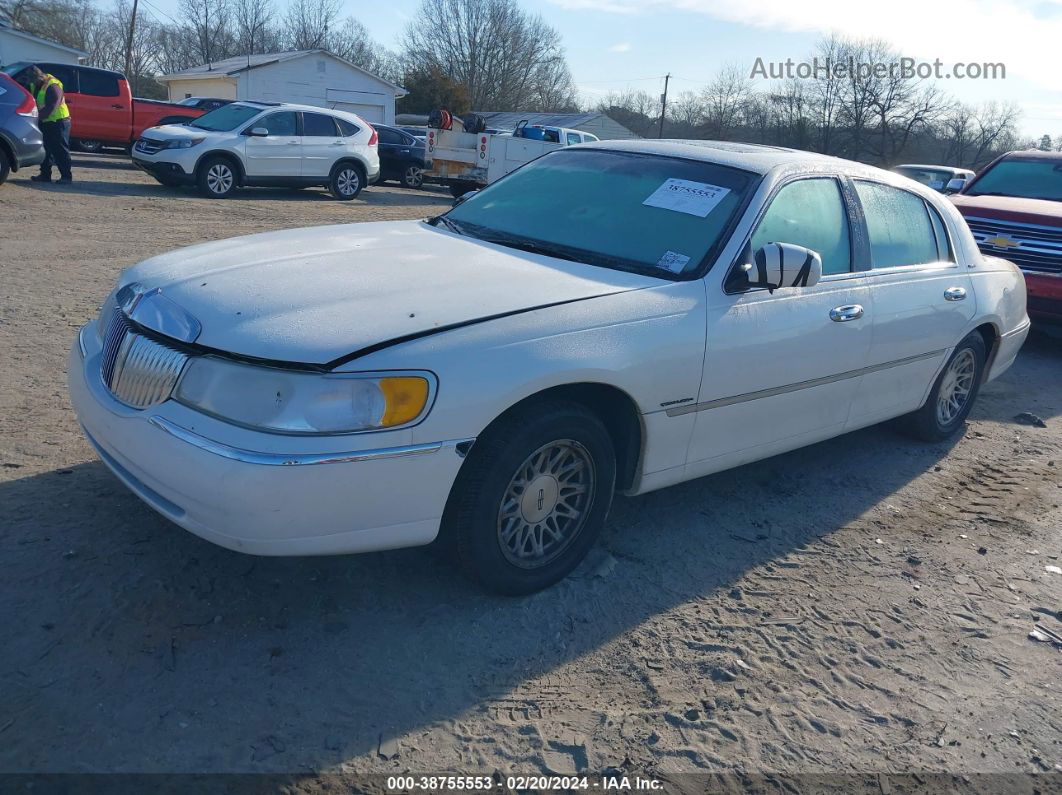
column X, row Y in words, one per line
column 1014, row 209
column 102, row 109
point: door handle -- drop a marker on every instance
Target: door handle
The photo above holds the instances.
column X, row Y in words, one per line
column 336, row 143
column 842, row 314
column 955, row 294
column 119, row 107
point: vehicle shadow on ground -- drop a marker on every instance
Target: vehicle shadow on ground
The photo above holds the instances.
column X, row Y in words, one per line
column 118, row 162
column 158, row 651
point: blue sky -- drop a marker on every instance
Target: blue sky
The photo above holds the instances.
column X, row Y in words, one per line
column 612, row 44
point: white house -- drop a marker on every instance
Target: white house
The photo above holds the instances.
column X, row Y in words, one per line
column 16, row 45
column 307, row 77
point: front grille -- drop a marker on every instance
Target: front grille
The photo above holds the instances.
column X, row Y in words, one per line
column 138, row 370
column 150, row 146
column 1039, row 247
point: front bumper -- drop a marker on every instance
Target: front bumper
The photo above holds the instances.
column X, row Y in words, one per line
column 164, row 170
column 261, row 493
column 1044, row 296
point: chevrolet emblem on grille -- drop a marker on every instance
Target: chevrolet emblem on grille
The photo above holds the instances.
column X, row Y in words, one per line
column 999, row 241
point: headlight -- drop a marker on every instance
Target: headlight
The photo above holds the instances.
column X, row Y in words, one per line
column 289, row 401
column 185, row 143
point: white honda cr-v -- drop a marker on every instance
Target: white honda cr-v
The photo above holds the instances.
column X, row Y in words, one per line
column 263, row 144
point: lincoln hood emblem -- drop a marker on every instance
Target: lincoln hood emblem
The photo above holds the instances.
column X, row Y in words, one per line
column 151, row 309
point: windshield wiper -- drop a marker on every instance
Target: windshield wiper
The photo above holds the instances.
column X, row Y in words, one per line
column 451, row 225
column 531, row 246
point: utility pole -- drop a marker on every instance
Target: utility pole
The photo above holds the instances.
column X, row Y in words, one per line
column 663, row 105
column 129, row 45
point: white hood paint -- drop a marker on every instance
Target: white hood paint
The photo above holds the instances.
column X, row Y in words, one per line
column 318, row 294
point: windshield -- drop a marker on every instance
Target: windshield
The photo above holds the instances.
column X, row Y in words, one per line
column 226, row 118
column 645, row 213
column 1024, row 178
column 927, row 176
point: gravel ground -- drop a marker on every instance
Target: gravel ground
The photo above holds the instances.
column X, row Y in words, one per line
column 860, row 606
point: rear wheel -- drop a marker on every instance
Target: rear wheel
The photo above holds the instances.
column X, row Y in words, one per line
column 532, row 498
column 216, row 177
column 346, row 181
column 413, row 177
column 953, row 394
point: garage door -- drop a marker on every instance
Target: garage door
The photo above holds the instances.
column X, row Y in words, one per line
column 371, row 113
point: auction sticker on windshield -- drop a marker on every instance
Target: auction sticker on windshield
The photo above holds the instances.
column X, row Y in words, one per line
column 685, row 196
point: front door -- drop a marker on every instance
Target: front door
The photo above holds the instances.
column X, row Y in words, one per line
column 781, row 370
column 278, row 154
column 922, row 301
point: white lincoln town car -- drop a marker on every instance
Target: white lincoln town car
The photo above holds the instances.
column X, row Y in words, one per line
column 612, row 316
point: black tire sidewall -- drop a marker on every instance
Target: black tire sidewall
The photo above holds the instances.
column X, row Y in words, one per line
column 931, row 425
column 333, row 181
column 471, row 518
column 201, row 177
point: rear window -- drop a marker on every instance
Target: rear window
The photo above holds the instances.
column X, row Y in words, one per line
column 346, row 129
column 902, row 232
column 98, row 84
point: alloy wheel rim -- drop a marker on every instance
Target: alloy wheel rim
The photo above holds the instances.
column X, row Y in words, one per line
column 219, row 178
column 546, row 504
column 414, row 176
column 956, row 386
column 347, row 181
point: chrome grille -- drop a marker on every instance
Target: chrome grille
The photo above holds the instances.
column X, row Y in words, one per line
column 150, row 146
column 138, row 370
column 1039, row 247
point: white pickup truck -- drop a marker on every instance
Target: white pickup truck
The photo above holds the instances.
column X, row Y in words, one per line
column 469, row 161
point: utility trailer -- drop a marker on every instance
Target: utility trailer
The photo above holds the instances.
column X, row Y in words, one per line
column 470, row 161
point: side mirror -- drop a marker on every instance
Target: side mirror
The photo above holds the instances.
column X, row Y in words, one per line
column 464, row 197
column 783, row 265
column 955, row 185
column 258, row 132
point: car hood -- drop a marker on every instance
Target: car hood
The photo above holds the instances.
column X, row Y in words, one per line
column 169, row 132
column 322, row 294
column 1010, row 208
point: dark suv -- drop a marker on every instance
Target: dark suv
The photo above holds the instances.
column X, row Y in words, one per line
column 401, row 156
column 21, row 143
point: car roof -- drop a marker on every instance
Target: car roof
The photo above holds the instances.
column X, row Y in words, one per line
column 1033, row 154
column 933, row 168
column 757, row 158
column 302, row 108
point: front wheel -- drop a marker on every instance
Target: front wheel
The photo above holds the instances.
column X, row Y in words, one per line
column 953, row 394
column 532, row 498
column 346, row 181
column 216, row 178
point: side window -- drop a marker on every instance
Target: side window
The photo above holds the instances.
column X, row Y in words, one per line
column 388, row 136
column 65, row 74
column 98, row 84
column 346, row 129
column 318, row 125
column 940, row 232
column 572, row 138
column 901, row 232
column 809, row 213
column 279, row 123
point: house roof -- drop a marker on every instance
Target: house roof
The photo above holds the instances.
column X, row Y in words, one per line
column 230, row 67
column 5, row 27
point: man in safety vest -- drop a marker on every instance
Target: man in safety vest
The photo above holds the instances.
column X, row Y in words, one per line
column 54, row 120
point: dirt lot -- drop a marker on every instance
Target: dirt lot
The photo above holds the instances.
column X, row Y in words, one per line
column 860, row 606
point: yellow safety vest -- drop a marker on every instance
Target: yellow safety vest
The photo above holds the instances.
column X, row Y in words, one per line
column 61, row 110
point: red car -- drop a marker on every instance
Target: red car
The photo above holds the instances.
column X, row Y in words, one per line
column 102, row 109
column 1014, row 209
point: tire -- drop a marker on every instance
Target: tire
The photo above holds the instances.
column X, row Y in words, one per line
column 216, row 177
column 346, row 181
column 459, row 189
column 953, row 393
column 413, row 177
column 492, row 532
column 89, row 145
column 5, row 167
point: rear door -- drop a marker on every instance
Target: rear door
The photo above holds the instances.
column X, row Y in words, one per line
column 322, row 144
column 921, row 301
column 278, row 154
column 104, row 111
column 394, row 151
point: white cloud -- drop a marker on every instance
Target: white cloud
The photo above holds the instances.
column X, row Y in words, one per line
column 1022, row 34
column 623, row 46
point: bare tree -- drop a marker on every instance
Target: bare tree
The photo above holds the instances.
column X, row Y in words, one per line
column 505, row 58
column 724, row 101
column 254, row 32
column 308, row 24
column 210, row 23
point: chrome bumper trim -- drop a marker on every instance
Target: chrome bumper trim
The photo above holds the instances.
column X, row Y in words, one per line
column 296, row 459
